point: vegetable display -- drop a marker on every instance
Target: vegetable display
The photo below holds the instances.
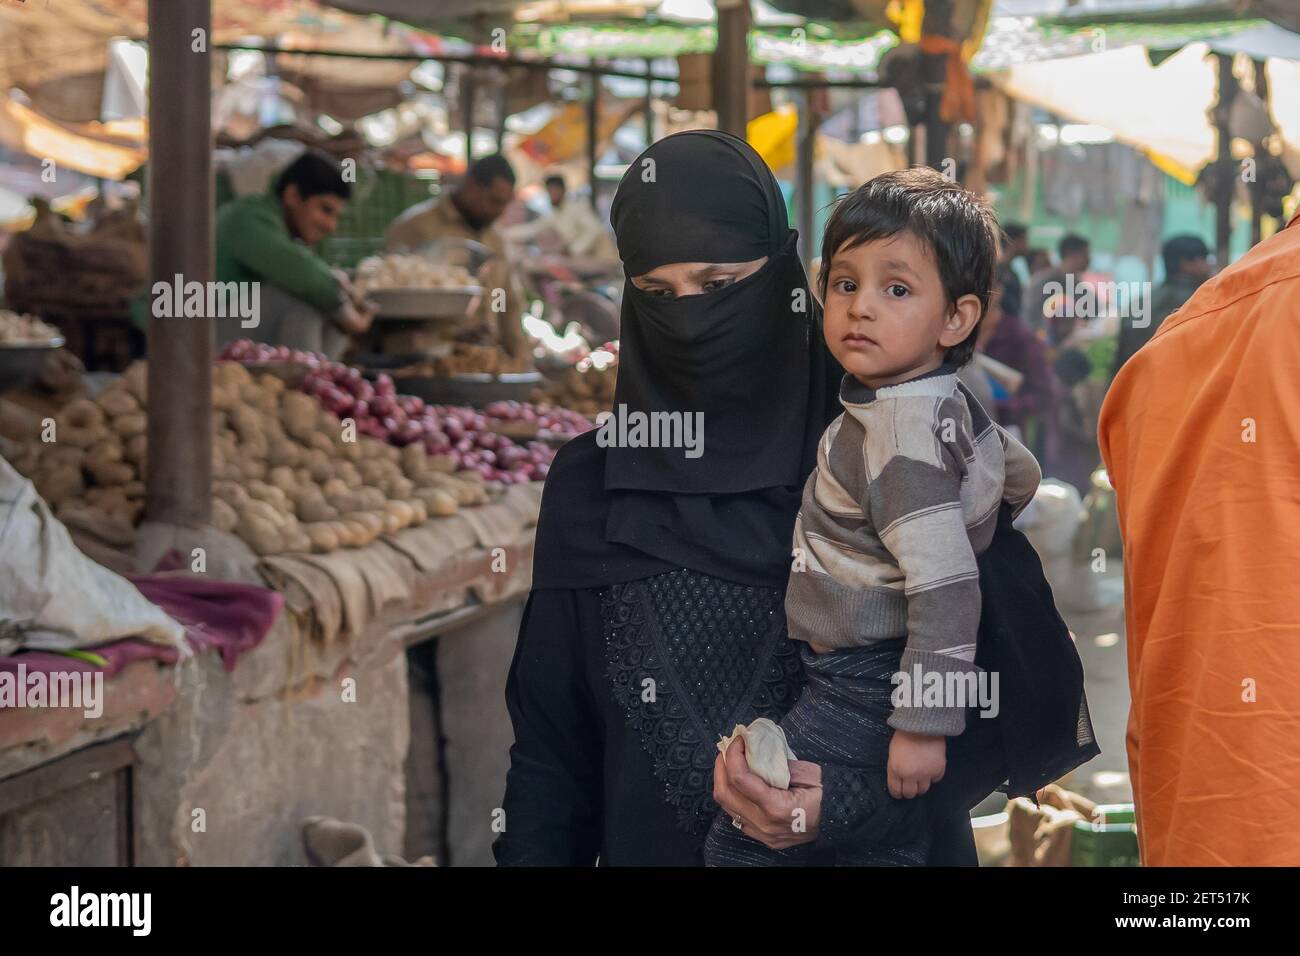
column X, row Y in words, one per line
column 587, row 387
column 457, row 438
column 16, row 329
column 287, row 474
column 467, row 358
column 546, row 422
column 399, row 271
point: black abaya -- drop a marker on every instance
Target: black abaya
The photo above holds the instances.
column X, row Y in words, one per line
column 583, row 784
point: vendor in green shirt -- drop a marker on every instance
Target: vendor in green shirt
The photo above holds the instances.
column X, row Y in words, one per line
column 268, row 238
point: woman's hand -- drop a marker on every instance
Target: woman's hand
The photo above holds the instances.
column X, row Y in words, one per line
column 779, row 819
column 915, row 762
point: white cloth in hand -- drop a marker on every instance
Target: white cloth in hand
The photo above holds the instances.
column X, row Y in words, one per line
column 766, row 751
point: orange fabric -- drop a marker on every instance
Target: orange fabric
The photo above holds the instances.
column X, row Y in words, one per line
column 958, row 99
column 1211, row 528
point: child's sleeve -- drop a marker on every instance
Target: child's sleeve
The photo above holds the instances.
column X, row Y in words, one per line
column 914, row 499
column 1022, row 472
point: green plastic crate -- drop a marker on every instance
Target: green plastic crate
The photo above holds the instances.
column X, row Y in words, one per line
column 1109, row 840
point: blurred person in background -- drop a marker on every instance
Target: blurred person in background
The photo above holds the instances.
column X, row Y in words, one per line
column 573, row 222
column 1030, row 409
column 1015, row 243
column 469, row 212
column 1045, row 308
column 1187, row 265
column 1076, row 455
column 269, row 238
column 1038, row 260
column 1200, row 433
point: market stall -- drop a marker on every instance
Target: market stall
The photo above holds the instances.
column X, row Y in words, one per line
column 381, row 521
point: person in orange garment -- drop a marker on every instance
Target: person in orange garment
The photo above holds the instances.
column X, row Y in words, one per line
column 1200, row 433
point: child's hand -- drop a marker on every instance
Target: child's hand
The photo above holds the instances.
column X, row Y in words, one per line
column 915, row 762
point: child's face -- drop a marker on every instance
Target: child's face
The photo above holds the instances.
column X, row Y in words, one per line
column 887, row 317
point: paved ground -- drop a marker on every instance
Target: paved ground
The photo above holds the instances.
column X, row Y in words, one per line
column 1099, row 636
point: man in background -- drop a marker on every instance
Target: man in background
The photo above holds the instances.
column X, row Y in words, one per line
column 1187, row 265
column 573, row 222
column 1045, row 306
column 1015, row 243
column 1200, row 433
column 1031, row 408
column 268, row 238
column 469, row 211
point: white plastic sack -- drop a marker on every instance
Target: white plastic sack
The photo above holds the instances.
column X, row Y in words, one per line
column 53, row 597
column 766, row 751
column 1052, row 518
column 1051, row 521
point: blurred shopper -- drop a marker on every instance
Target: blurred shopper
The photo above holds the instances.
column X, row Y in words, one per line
column 1076, row 456
column 1015, row 243
column 268, row 238
column 469, row 212
column 1030, row 409
column 1200, row 433
column 573, row 222
column 1045, row 306
column 1038, row 260
column 1187, row 265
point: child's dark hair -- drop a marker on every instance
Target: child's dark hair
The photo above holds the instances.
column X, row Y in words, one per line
column 958, row 228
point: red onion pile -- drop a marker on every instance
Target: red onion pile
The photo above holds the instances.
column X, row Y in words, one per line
column 459, row 432
column 552, row 420
column 247, row 351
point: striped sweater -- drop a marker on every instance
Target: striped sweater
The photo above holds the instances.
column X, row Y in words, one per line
column 904, row 496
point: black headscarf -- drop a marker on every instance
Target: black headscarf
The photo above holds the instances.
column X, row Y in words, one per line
column 749, row 357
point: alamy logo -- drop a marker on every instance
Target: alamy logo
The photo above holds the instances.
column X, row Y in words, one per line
column 132, row 910
column 624, row 429
column 922, row 688
column 1091, row 300
column 179, row 299
column 78, row 690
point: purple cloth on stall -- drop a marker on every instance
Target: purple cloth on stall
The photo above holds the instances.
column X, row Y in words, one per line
column 225, row 615
column 229, row 617
column 118, row 654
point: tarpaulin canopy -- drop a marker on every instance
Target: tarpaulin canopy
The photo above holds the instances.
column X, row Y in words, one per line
column 107, row 150
column 491, row 12
column 1161, row 110
column 1285, row 13
column 657, row 28
column 57, row 52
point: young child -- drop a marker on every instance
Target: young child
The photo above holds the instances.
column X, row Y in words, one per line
column 905, row 494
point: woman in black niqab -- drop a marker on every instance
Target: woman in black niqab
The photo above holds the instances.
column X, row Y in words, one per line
column 749, row 358
column 656, row 620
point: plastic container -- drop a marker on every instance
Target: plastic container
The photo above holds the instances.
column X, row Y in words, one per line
column 1110, row 839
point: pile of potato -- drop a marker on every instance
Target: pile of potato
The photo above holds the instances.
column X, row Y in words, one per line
column 589, row 392
column 16, row 329
column 285, row 477
column 466, row 358
column 95, row 455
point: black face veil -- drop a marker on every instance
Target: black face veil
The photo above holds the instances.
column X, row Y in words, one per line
column 747, row 362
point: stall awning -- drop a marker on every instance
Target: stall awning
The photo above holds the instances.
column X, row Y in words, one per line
column 1161, row 110
column 57, row 52
column 107, row 150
